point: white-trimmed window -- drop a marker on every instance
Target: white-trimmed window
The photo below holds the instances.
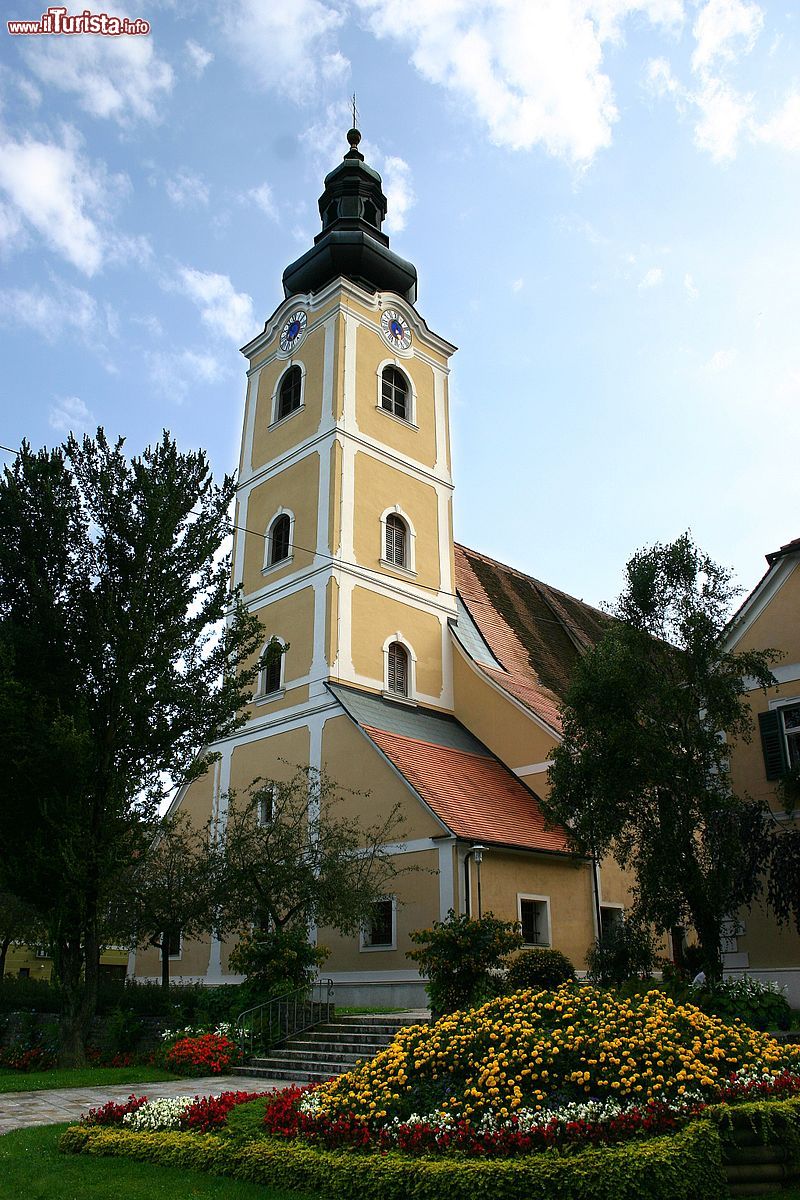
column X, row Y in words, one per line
column 396, row 394
column 397, row 672
column 279, row 540
column 265, row 805
column 271, row 675
column 611, row 917
column 380, row 931
column 289, row 394
column 398, row 540
column 174, row 941
column 780, row 736
column 534, row 919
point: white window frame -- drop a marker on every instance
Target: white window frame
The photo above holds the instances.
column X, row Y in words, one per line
column 276, row 391
column 273, row 566
column 410, row 698
column 620, row 908
column 410, row 568
column 175, row 957
column 545, row 900
column 411, row 416
column 777, row 705
column 262, row 697
column 262, row 823
column 385, row 948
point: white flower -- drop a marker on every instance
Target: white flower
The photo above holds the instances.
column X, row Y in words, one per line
column 165, row 1113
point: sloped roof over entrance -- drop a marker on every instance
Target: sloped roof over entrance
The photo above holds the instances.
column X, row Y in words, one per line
column 522, row 633
column 470, row 791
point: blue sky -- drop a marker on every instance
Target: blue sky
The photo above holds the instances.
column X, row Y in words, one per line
column 601, row 198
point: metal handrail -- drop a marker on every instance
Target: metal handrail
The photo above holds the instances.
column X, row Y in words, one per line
column 272, row 1022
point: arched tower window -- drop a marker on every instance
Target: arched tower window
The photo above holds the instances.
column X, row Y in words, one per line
column 396, row 541
column 272, row 667
column 394, row 392
column 397, row 673
column 279, row 539
column 290, row 392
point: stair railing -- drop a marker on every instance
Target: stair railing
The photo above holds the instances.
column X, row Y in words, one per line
column 268, row 1024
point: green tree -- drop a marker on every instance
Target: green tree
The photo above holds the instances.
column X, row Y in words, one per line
column 290, row 857
column 461, row 958
column 172, row 893
column 122, row 655
column 642, row 772
column 18, row 923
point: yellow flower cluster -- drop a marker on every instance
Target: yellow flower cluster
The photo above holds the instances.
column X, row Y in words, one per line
column 517, row 1051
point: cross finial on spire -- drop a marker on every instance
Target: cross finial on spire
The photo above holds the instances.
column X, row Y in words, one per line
column 355, row 113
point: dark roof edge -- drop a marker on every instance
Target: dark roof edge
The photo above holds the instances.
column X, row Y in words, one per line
column 532, row 579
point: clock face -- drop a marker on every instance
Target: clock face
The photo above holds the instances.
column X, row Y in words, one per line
column 395, row 329
column 293, row 330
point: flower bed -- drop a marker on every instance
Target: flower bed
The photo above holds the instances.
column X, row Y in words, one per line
column 208, row 1054
column 199, row 1114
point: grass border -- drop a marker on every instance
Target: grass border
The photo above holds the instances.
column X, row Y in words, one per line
column 684, row 1166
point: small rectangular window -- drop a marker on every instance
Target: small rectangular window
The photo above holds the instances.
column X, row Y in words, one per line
column 174, row 939
column 24, row 973
column 378, row 933
column 533, row 919
column 610, row 918
column 266, row 806
column 791, row 731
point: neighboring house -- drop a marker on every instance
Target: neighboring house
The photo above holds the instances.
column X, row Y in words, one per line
column 28, row 962
column 769, row 619
column 417, row 670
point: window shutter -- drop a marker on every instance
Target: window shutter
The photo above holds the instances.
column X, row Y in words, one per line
column 772, row 743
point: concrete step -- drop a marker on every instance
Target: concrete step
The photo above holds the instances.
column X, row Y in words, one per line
column 341, row 1029
column 285, row 1074
column 369, row 1044
column 289, row 1055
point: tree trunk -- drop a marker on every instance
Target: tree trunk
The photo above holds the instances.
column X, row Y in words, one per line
column 165, row 961
column 3, row 952
column 72, row 1026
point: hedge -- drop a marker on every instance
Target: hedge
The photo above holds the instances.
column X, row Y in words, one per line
column 684, row 1166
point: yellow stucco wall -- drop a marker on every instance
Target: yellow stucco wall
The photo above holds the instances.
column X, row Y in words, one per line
column 271, row 439
column 296, row 489
column 351, row 760
column 375, row 618
column 508, row 732
column 273, row 757
column 379, row 487
column 417, row 905
column 291, row 618
column 416, row 443
column 778, row 625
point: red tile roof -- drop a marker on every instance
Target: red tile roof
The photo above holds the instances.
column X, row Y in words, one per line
column 475, row 796
column 535, row 632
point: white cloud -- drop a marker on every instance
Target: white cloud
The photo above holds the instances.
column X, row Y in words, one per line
column 399, row 192
column 63, row 196
column 185, row 189
column 64, row 309
column 651, row 279
column 151, row 323
column 690, row 287
column 286, row 47
column 262, row 197
column 783, row 129
column 517, row 285
column 221, row 308
column 174, row 374
column 721, row 360
column 532, row 72
column 69, row 414
column 724, row 30
column 723, row 113
column 199, row 57
column 112, row 77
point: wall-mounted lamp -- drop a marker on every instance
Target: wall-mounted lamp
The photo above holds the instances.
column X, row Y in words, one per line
column 475, row 852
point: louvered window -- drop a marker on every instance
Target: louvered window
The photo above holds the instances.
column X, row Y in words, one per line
column 397, row 680
column 396, row 540
column 271, row 670
column 780, row 739
column 289, row 394
column 394, row 392
column 279, row 539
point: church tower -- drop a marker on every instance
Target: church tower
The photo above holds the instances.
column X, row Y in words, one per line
column 345, row 478
column 424, row 679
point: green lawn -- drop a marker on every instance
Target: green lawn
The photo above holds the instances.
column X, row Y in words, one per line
column 37, row 1081
column 31, row 1166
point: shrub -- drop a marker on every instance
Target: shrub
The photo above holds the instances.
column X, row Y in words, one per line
column 539, row 968
column 209, row 1113
column 275, row 961
column 537, row 1049
column 460, row 957
column 209, row 1054
column 625, row 951
column 763, row 1005
column 246, row 1121
column 686, row 1166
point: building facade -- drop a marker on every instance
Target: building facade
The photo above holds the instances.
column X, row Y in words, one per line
column 416, row 670
column 769, row 619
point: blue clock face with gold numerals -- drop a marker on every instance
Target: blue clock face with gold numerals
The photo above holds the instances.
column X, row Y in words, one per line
column 395, row 329
column 293, row 329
